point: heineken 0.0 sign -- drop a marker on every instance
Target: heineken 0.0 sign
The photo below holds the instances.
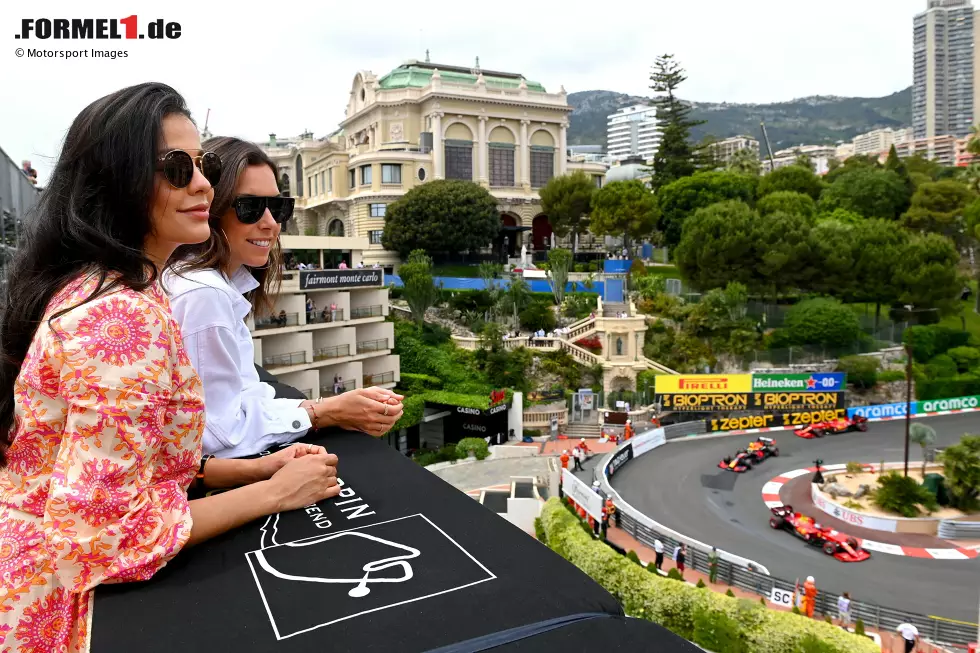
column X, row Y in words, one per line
column 816, row 382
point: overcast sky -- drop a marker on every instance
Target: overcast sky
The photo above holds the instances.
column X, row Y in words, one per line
column 286, row 67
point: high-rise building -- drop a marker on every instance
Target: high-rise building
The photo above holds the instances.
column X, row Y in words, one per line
column 631, row 132
column 945, row 85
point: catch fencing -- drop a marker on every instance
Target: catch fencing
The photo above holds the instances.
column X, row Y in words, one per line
column 750, row 575
column 17, row 197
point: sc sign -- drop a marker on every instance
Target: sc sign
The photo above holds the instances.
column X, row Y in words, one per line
column 782, row 598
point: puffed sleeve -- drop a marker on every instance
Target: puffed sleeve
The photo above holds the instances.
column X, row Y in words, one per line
column 117, row 507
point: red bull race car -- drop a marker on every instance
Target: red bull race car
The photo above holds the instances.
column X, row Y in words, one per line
column 834, row 543
column 745, row 459
column 833, row 427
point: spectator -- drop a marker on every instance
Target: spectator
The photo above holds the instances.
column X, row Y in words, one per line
column 658, row 549
column 844, row 610
column 713, row 565
column 29, row 172
column 578, row 456
column 342, row 266
column 680, row 555
column 910, row 635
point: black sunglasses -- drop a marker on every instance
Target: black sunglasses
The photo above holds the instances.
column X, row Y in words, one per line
column 250, row 208
column 178, row 167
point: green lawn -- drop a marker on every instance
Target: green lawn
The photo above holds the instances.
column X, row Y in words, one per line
column 458, row 270
column 972, row 319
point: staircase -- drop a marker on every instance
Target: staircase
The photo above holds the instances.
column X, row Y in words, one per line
column 579, row 430
column 613, row 310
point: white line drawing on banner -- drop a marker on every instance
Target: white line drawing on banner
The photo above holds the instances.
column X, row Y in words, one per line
column 271, row 533
column 265, row 602
column 360, row 588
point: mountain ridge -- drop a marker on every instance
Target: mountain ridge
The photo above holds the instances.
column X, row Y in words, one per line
column 811, row 120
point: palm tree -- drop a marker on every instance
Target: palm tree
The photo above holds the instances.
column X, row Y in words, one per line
column 925, row 437
column 518, row 295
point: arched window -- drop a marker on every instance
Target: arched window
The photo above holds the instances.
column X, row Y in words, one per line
column 336, row 228
column 299, row 176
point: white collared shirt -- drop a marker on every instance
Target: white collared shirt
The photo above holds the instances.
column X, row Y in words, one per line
column 243, row 415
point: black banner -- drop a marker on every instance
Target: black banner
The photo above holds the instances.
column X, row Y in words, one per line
column 624, row 456
column 463, row 422
column 339, row 279
column 771, row 402
column 792, row 419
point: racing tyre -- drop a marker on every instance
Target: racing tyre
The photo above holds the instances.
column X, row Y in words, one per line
column 775, row 453
column 808, row 538
column 829, row 548
column 776, row 522
column 818, row 433
column 863, row 426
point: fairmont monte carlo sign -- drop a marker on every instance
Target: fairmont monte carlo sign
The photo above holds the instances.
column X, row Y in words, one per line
column 340, row 279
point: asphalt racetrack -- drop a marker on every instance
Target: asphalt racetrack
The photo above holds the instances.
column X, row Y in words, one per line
column 680, row 486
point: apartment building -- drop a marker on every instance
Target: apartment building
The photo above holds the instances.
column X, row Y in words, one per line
column 942, row 149
column 725, row 149
column 820, row 156
column 327, row 333
column 424, row 121
column 632, row 132
column 945, row 85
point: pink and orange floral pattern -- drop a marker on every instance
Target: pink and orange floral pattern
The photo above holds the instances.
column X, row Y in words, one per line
column 107, row 439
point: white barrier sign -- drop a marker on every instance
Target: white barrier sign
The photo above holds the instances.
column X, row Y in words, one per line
column 647, row 441
column 581, row 494
column 780, row 597
column 849, row 516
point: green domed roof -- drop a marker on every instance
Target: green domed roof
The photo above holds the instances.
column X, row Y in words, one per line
column 417, row 74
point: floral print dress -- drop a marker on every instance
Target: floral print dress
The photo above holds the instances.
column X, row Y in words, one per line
column 109, row 415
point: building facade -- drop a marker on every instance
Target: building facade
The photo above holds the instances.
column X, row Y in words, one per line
column 945, row 86
column 820, row 156
column 942, row 149
column 327, row 333
column 632, row 132
column 874, row 142
column 725, row 149
column 421, row 122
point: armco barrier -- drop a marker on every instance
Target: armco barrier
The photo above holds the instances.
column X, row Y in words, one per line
column 751, row 576
column 959, row 530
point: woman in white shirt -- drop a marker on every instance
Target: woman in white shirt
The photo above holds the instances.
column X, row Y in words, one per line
column 215, row 285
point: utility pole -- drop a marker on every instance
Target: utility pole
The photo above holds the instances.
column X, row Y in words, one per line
column 765, row 136
column 908, row 402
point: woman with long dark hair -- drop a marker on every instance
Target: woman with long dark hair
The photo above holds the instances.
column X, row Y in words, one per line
column 101, row 413
column 213, row 287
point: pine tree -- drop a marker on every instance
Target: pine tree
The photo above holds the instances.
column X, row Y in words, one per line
column 676, row 156
column 896, row 165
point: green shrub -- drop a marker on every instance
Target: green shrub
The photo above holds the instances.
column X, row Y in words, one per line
column 796, row 610
column 652, row 568
column 632, row 556
column 762, row 600
column 827, row 618
column 961, row 469
column 539, row 531
column 674, row 574
column 859, row 627
column 701, row 583
column 941, row 367
column 730, row 593
column 929, row 341
column 862, row 371
column 903, row 495
column 538, row 315
column 419, row 382
column 966, row 358
column 477, row 446
column 813, row 644
column 961, row 385
column 677, row 605
column 532, row 433
column 718, row 632
column 890, row 376
column 854, row 467
column 822, row 321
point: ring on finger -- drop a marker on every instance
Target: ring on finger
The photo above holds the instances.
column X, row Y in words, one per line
column 386, row 411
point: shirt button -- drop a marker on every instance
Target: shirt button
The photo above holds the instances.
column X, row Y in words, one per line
column 296, row 424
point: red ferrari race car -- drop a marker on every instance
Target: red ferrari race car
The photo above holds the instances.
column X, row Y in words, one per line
column 834, row 543
column 745, row 459
column 833, row 427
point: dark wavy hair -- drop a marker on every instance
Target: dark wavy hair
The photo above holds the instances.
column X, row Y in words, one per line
column 93, row 216
column 236, row 155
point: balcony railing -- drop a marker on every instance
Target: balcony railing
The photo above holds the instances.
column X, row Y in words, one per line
column 324, row 316
column 339, row 388
column 361, row 312
column 365, row 346
column 277, row 321
column 379, row 379
column 281, row 360
column 326, row 353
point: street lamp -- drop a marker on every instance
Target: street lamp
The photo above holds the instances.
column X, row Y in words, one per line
column 908, row 396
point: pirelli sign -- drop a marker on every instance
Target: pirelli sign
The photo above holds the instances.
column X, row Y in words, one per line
column 769, row 402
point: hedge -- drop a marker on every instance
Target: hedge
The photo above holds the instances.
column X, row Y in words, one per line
column 690, row 612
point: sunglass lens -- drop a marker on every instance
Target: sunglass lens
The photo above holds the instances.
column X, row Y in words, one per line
column 178, row 168
column 211, row 167
column 249, row 209
column 281, row 208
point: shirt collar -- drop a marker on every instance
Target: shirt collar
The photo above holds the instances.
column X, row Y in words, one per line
column 243, row 281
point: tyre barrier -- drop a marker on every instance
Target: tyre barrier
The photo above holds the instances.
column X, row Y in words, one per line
column 744, row 573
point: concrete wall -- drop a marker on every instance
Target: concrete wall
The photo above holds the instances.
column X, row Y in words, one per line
column 288, row 343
